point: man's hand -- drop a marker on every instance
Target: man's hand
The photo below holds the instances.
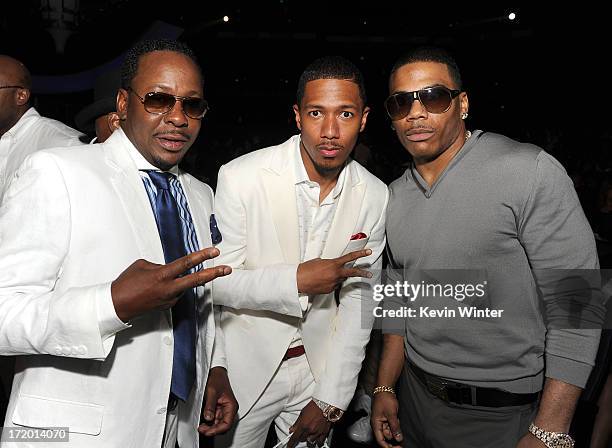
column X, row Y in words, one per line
column 530, row 441
column 384, row 421
column 310, row 426
column 322, row 276
column 146, row 286
column 220, row 405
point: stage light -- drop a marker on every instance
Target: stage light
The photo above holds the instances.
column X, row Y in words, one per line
column 511, row 16
column 226, row 19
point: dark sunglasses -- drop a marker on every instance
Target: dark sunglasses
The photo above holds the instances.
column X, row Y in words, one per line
column 436, row 100
column 162, row 103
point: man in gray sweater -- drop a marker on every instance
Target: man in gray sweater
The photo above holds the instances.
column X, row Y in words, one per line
column 481, row 365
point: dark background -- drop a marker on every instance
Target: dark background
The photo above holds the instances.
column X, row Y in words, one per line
column 540, row 78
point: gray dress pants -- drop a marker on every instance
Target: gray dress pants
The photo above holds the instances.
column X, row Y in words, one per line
column 429, row 422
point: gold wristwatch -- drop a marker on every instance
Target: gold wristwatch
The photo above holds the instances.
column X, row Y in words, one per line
column 331, row 413
column 552, row 439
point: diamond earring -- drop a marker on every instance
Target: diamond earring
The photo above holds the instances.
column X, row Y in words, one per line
column 464, row 115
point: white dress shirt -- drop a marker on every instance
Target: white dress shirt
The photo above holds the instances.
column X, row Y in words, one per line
column 314, row 220
column 31, row 133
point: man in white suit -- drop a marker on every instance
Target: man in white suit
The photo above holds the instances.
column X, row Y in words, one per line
column 295, row 217
column 23, row 130
column 111, row 357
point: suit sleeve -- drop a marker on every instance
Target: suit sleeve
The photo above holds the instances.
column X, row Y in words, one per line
column 218, row 355
column 557, row 238
column 353, row 325
column 35, row 232
column 248, row 288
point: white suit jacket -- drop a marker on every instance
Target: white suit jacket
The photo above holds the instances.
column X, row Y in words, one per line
column 256, row 213
column 30, row 134
column 72, row 220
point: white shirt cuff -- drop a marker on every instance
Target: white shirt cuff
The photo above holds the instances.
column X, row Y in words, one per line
column 108, row 322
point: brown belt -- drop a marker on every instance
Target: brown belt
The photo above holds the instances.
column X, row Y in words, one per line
column 294, row 352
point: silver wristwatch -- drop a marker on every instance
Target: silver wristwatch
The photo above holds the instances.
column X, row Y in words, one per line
column 552, row 439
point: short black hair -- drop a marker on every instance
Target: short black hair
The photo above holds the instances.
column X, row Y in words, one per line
column 129, row 66
column 431, row 54
column 331, row 67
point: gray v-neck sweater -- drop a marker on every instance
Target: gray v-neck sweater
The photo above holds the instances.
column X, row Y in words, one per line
column 505, row 211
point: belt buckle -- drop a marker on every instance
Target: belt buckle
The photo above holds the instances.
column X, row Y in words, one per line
column 437, row 389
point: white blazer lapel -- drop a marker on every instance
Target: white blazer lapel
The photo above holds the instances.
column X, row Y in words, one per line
column 280, row 194
column 347, row 214
column 279, row 186
column 131, row 193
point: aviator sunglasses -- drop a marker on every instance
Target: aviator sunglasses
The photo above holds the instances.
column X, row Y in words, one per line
column 161, row 103
column 436, row 100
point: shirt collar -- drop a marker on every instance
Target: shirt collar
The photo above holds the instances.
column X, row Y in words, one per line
column 301, row 176
column 138, row 159
column 299, row 169
column 30, row 115
column 339, row 183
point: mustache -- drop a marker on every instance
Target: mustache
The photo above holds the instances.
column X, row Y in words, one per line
column 174, row 133
column 420, row 128
column 330, row 145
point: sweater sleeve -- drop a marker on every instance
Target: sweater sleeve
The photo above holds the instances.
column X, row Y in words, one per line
column 561, row 250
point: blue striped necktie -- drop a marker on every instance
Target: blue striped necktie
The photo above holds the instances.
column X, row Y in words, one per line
column 184, row 312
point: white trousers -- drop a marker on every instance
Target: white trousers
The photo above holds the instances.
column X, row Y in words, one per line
column 171, row 430
column 289, row 391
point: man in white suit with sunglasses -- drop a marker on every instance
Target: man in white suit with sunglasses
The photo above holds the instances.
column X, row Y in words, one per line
column 100, row 278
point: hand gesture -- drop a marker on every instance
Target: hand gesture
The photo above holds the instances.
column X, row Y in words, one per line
column 146, row 286
column 322, row 276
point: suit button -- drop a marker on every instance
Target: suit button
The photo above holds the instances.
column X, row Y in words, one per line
column 58, row 350
column 82, row 350
column 161, row 410
column 66, row 351
column 167, row 341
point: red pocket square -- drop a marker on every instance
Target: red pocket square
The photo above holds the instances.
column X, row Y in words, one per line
column 358, row 236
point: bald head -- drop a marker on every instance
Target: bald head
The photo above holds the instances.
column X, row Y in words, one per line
column 15, row 85
column 13, row 72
